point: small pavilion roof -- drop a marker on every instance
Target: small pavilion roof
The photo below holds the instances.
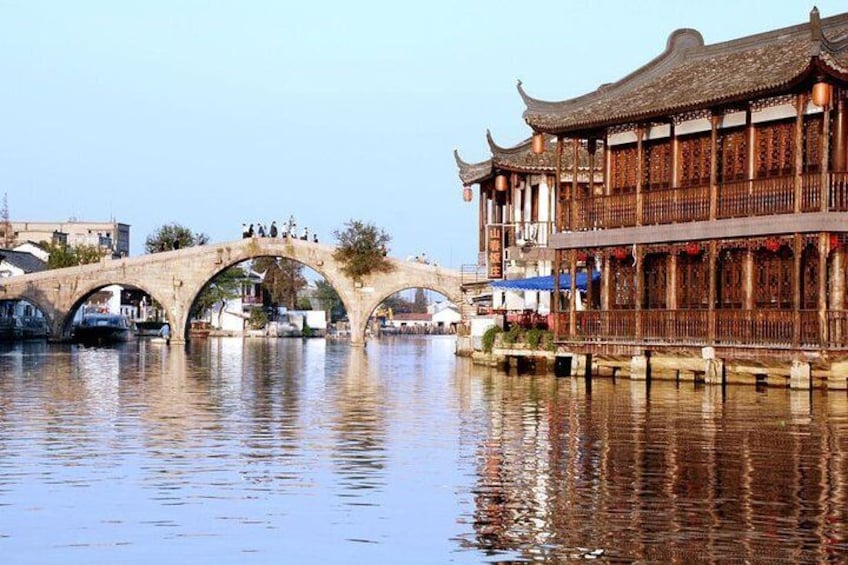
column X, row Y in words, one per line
column 690, row 75
column 520, row 158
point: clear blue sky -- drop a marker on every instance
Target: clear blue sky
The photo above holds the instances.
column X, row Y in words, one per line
column 213, row 113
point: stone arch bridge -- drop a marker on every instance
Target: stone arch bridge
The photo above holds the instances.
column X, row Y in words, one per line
column 175, row 278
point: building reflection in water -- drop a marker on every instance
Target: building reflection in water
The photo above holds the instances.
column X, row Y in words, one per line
column 660, row 473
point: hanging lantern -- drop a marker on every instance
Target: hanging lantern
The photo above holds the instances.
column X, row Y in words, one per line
column 467, row 194
column 821, row 94
column 620, row 253
column 834, row 242
column 582, row 256
column 692, row 248
column 500, row 183
column 772, row 244
column 538, row 144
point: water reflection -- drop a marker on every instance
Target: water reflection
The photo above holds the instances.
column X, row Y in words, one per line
column 314, row 451
column 670, row 476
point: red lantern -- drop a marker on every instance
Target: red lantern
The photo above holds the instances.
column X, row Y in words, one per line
column 538, row 145
column 772, row 244
column 822, row 92
column 500, row 183
column 467, row 195
column 620, row 253
column 693, row 248
column 834, row 242
column 581, row 256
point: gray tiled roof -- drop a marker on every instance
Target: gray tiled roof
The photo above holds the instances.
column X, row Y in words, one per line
column 25, row 261
column 689, row 75
column 520, row 158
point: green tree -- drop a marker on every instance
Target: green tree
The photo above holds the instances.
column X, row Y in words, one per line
column 61, row 256
column 330, row 300
column 226, row 285
column 398, row 304
column 283, row 279
column 362, row 249
column 173, row 236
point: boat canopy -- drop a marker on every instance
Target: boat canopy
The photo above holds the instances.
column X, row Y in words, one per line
column 545, row 283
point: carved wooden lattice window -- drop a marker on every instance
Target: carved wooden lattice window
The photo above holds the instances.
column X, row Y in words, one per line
column 656, row 282
column 733, row 154
column 657, row 169
column 773, row 279
column 810, row 278
column 694, row 157
column 731, row 284
column 623, row 289
column 693, row 285
column 812, row 143
column 623, row 164
column 775, row 148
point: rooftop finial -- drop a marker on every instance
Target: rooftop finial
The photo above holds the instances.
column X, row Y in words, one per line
column 815, row 24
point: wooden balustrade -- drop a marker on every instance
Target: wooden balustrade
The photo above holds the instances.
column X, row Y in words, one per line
column 758, row 197
column 675, row 205
column 737, row 199
column 837, row 328
column 774, row 328
column 811, row 192
column 838, row 192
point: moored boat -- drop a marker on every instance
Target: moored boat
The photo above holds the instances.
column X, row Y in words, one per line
column 103, row 329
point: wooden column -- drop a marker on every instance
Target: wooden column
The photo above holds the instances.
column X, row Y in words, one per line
column 572, row 303
column 589, row 265
column 575, row 156
column 840, row 130
column 823, row 250
column 711, row 295
column 638, row 288
column 837, row 288
column 797, row 248
column 591, row 147
column 800, row 104
column 640, row 164
column 825, row 159
column 605, row 284
column 556, row 307
column 748, row 281
column 714, row 119
column 482, row 217
column 560, row 214
column 675, row 155
column 605, row 189
column 671, row 292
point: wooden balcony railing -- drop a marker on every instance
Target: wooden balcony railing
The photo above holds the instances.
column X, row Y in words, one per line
column 759, row 197
column 737, row 199
column 676, row 205
column 838, row 192
column 675, row 326
column 771, row 328
column 605, row 212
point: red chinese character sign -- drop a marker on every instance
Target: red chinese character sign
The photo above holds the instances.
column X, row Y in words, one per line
column 494, row 251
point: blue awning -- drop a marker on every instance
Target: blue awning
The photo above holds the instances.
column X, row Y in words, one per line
column 545, row 283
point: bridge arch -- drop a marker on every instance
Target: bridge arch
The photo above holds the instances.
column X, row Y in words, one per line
column 312, row 255
column 63, row 324
column 388, row 289
column 222, row 268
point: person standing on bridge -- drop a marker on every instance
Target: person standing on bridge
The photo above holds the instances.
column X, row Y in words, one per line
column 250, row 231
column 261, row 230
column 273, row 230
column 305, row 236
column 244, row 233
column 314, row 238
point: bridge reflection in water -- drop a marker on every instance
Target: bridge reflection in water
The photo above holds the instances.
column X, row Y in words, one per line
column 294, row 448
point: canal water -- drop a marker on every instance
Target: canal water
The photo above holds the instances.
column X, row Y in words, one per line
column 306, row 451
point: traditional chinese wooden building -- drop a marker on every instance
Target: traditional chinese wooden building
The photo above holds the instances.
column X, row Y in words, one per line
column 518, row 202
column 721, row 220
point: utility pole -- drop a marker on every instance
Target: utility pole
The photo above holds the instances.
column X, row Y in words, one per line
column 5, row 224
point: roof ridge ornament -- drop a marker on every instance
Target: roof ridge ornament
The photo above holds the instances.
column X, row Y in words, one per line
column 816, row 35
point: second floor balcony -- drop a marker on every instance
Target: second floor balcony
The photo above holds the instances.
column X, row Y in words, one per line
column 810, row 192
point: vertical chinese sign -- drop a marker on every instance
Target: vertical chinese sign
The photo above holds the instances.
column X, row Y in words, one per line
column 494, row 251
